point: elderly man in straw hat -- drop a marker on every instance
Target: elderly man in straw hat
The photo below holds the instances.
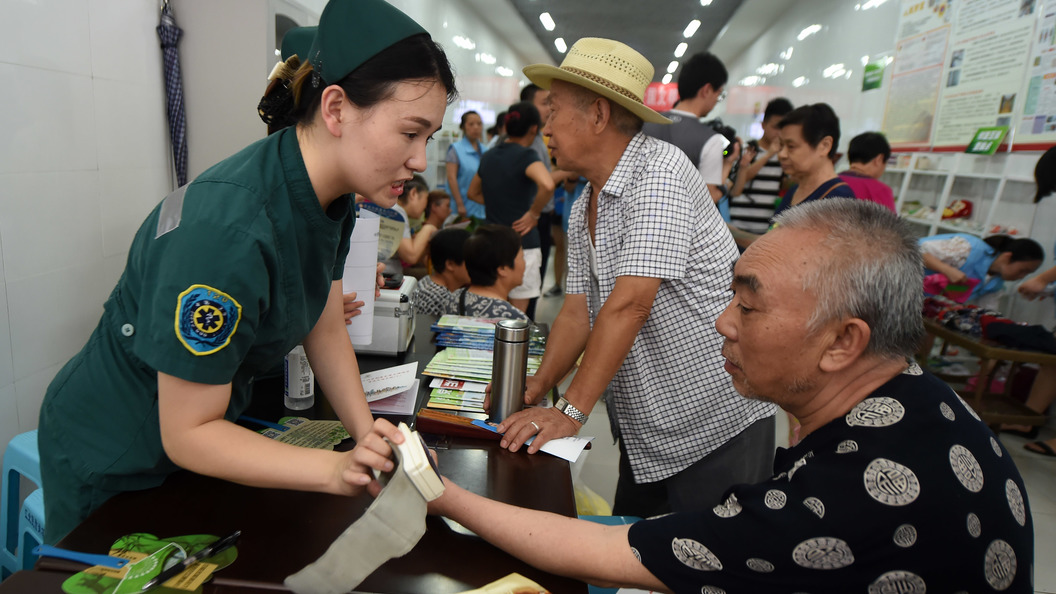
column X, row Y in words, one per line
column 897, row 486
column 649, row 271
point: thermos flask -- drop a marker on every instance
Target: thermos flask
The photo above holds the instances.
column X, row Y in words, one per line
column 509, row 365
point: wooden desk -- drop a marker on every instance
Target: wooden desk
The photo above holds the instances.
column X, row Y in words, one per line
column 282, row 531
column 994, row 409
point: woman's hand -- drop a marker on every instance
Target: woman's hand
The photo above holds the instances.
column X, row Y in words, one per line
column 371, row 453
column 526, row 223
column 1032, row 288
column 354, row 307
column 955, row 276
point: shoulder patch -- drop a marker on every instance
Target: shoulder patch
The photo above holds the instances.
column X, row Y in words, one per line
column 206, row 319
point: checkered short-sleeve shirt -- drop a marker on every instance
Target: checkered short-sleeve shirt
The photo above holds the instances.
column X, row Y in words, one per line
column 673, row 401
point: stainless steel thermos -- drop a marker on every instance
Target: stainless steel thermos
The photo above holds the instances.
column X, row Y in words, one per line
column 509, row 365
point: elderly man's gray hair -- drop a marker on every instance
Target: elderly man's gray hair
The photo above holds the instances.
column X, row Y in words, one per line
column 869, row 267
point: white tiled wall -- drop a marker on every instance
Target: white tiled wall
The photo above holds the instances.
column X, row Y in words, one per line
column 82, row 161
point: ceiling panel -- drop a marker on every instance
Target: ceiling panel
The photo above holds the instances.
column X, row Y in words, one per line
column 652, row 27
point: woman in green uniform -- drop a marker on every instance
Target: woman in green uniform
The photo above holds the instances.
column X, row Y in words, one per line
column 235, row 269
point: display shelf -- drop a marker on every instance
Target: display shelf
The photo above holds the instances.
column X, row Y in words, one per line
column 979, row 179
column 960, row 229
column 918, row 221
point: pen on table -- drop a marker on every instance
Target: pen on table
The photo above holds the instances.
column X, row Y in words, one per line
column 212, row 549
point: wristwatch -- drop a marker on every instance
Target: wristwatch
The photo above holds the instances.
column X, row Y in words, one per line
column 567, row 408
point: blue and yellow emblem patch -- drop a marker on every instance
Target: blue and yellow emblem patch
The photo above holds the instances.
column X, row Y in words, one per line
column 206, row 319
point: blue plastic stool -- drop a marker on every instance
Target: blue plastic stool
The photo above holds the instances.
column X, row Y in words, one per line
column 21, row 460
column 31, row 527
column 608, row 521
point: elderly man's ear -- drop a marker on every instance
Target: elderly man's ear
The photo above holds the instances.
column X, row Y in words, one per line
column 850, row 338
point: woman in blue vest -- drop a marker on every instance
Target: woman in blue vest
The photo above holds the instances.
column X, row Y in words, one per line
column 236, row 268
column 991, row 261
column 463, row 159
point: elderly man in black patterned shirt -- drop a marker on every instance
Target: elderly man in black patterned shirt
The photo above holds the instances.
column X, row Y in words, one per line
column 648, row 273
column 896, row 486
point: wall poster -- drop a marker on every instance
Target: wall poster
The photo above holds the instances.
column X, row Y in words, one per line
column 1037, row 126
column 920, row 52
column 984, row 69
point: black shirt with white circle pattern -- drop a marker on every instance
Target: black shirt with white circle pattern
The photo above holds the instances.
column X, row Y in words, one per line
column 909, row 492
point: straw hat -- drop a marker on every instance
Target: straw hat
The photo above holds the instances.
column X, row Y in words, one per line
column 609, row 68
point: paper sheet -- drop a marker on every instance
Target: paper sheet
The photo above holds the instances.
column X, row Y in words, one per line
column 566, row 448
column 452, row 384
column 390, row 381
column 398, row 404
column 361, row 275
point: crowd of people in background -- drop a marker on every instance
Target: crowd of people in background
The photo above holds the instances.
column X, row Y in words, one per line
column 505, row 175
column 510, row 179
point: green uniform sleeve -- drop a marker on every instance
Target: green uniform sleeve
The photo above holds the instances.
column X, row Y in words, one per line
column 203, row 291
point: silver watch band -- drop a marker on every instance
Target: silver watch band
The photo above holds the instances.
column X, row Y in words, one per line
column 570, row 410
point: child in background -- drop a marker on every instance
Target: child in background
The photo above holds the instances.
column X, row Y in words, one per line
column 438, row 209
column 992, row 261
column 495, row 262
column 433, row 295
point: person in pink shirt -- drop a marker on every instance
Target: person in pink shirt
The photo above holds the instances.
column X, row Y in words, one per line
column 868, row 154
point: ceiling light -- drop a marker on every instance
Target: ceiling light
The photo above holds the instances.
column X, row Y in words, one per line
column 787, row 54
column 705, row 2
column 503, row 71
column 485, row 57
column 673, row 66
column 666, row 79
column 547, row 21
column 805, row 33
column 799, row 82
column 767, row 69
column 751, row 81
column 559, row 43
column 834, row 71
column 681, row 49
column 691, row 28
column 464, row 42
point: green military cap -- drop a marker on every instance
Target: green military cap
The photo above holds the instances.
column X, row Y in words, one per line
column 351, row 32
column 297, row 41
